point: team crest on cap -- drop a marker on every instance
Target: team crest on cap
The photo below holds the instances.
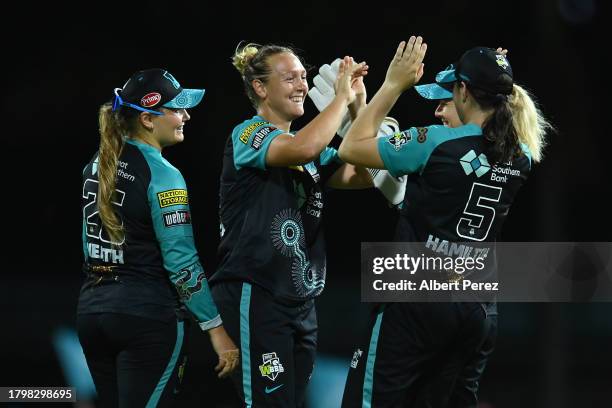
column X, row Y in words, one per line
column 170, row 78
column 150, row 99
column 501, row 61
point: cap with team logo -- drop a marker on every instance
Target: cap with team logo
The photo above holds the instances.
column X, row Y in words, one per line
column 486, row 69
column 442, row 88
column 154, row 88
column 481, row 67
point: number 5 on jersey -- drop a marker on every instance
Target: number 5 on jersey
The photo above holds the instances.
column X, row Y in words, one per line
column 477, row 218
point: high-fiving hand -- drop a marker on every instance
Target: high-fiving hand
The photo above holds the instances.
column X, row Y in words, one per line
column 348, row 72
column 406, row 68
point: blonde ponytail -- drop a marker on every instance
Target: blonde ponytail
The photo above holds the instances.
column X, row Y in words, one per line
column 529, row 123
column 111, row 145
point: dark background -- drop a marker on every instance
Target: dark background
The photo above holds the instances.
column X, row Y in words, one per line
column 61, row 63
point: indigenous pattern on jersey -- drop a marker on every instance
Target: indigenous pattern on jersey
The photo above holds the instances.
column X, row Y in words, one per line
column 455, row 193
column 156, row 267
column 271, row 217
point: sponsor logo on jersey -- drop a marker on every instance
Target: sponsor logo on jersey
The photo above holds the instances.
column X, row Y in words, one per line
column 398, row 140
column 500, row 173
column 248, row 131
column 121, row 171
column 172, row 197
column 314, row 199
column 260, row 136
column 174, row 218
column 150, row 99
column 315, row 203
column 356, row 356
column 422, row 137
column 475, row 164
column 271, row 366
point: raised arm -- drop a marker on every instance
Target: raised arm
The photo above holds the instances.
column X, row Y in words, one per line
column 359, row 145
column 309, row 142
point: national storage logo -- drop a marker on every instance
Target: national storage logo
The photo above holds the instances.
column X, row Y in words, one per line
column 248, row 131
column 172, row 197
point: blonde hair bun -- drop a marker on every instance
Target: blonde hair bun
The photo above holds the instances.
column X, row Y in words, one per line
column 243, row 56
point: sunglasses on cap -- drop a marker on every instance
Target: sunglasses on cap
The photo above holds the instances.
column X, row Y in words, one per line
column 118, row 101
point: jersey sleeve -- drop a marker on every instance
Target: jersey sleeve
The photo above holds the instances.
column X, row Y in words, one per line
column 407, row 152
column 169, row 203
column 329, row 156
column 251, row 141
column 329, row 163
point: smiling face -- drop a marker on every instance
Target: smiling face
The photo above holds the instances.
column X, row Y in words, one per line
column 168, row 128
column 286, row 87
column 446, row 112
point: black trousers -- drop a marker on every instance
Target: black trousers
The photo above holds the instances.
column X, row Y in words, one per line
column 134, row 361
column 421, row 355
column 277, row 343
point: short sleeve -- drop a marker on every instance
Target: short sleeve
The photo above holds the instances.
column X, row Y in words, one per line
column 329, row 156
column 409, row 151
column 251, row 141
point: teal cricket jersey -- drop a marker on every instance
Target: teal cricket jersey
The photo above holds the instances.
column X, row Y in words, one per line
column 157, row 265
column 271, row 217
column 455, row 193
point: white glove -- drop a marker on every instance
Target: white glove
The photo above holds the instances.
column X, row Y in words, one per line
column 321, row 94
column 393, row 188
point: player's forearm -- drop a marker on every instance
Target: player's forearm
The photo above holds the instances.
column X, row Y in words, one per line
column 367, row 123
column 359, row 145
column 357, row 106
column 315, row 136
